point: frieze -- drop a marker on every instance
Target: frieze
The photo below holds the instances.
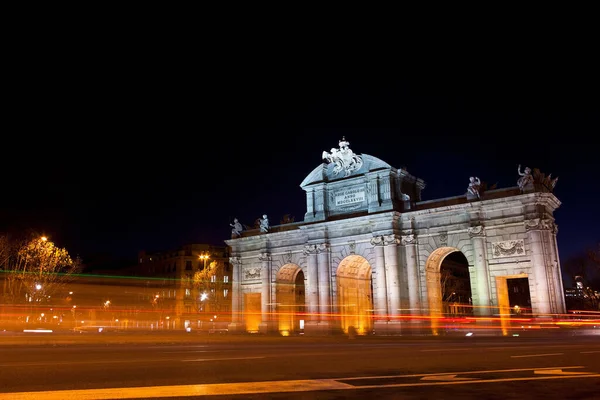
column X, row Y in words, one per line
column 508, row 248
column 476, row 231
column 408, row 239
column 251, row 273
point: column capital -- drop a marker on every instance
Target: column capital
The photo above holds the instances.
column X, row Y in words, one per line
column 322, row 247
column 545, row 224
column 476, row 231
column 310, row 249
column 390, row 240
column 408, row 239
column 265, row 256
column 237, row 261
column 377, row 241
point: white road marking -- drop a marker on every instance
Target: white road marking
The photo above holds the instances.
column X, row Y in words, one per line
column 445, row 378
column 538, row 355
column 590, row 352
column 222, row 359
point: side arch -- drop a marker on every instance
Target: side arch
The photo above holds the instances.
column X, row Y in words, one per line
column 434, row 288
column 290, row 299
column 355, row 295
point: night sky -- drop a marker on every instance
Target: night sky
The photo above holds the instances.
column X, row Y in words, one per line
column 119, row 157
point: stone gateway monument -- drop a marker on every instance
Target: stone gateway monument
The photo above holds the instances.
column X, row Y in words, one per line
column 371, row 257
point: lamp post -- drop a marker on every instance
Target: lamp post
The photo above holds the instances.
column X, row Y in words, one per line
column 204, row 257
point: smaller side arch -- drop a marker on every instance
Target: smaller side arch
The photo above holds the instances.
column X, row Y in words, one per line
column 434, row 288
column 289, row 299
column 355, row 295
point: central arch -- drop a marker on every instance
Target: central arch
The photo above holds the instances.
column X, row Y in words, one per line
column 290, row 298
column 434, row 278
column 355, row 295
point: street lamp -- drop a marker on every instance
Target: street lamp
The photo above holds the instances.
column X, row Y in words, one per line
column 204, row 257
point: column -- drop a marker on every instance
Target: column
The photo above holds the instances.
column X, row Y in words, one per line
column 265, row 276
column 390, row 251
column 236, row 278
column 561, row 306
column 538, row 265
column 412, row 272
column 482, row 275
column 380, row 295
column 324, row 281
column 312, row 291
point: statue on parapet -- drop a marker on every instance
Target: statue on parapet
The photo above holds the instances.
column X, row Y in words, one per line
column 237, row 229
column 525, row 181
column 473, row 191
column 343, row 159
column 535, row 180
column 264, row 224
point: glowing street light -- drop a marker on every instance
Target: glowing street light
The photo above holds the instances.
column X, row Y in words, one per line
column 204, row 257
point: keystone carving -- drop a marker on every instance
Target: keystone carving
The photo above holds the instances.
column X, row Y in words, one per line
column 444, row 239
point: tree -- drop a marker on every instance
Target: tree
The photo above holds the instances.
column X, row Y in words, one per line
column 208, row 286
column 34, row 269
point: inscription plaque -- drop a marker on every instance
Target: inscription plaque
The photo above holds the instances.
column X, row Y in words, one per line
column 349, row 196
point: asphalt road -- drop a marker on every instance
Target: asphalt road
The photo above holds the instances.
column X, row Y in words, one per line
column 242, row 367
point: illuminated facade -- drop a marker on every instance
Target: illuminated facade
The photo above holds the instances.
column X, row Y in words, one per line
column 181, row 302
column 370, row 253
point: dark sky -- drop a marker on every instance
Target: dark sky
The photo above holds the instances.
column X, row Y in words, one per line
column 115, row 155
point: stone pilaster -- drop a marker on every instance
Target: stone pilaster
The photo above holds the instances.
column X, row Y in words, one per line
column 237, row 324
column 390, row 251
column 324, row 281
column 380, row 285
column 412, row 272
column 560, row 290
column 312, row 289
column 265, row 276
column 534, row 229
column 482, row 275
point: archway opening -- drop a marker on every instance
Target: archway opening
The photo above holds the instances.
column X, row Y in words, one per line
column 455, row 284
column 513, row 294
column 519, row 298
column 355, row 295
column 290, row 298
column 447, row 279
